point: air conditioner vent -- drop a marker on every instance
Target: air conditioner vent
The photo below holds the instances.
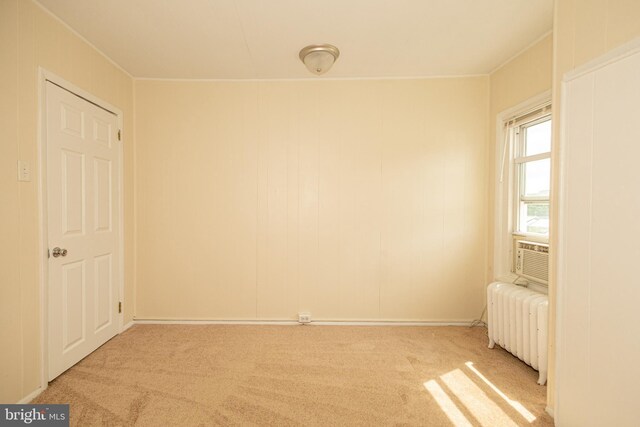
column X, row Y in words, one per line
column 532, row 261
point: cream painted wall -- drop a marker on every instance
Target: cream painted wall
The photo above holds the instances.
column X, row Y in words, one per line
column 10, row 300
column 358, row 200
column 350, row 199
column 583, row 30
column 31, row 38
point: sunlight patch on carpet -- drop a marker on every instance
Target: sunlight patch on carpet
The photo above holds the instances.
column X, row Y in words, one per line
column 446, row 404
column 514, row 404
column 485, row 410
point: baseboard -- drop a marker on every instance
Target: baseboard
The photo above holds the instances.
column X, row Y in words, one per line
column 549, row 410
column 211, row 322
column 390, row 323
column 295, row 323
column 28, row 398
column 127, row 326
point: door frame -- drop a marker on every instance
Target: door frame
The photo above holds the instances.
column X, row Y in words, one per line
column 45, row 75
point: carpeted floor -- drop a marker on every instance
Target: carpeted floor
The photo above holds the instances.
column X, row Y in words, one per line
column 165, row 375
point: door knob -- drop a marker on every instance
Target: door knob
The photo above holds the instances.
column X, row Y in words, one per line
column 58, row 252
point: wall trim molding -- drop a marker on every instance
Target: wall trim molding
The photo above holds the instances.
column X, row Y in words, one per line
column 616, row 54
column 81, row 37
column 466, row 323
column 127, row 326
column 309, row 79
column 549, row 410
column 521, row 51
column 29, row 397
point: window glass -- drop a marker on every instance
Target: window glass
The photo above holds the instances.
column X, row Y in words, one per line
column 536, row 176
column 534, row 217
column 538, row 138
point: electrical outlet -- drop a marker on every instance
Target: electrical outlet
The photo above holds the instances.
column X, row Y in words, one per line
column 24, row 171
column 304, row 318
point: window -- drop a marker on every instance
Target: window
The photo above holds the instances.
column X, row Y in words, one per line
column 523, row 181
column 532, row 168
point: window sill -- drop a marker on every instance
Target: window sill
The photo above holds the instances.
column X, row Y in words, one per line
column 532, row 237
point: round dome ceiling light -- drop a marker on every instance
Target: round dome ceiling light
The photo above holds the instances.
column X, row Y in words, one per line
column 318, row 58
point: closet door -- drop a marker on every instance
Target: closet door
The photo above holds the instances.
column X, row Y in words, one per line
column 83, row 196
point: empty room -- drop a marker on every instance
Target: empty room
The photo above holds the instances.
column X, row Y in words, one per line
column 296, row 212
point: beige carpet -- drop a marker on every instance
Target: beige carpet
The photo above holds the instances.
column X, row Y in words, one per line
column 163, row 375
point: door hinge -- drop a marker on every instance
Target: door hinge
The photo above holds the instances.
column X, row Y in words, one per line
column 119, row 135
column 119, row 306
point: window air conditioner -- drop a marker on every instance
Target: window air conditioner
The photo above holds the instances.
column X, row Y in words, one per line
column 532, row 261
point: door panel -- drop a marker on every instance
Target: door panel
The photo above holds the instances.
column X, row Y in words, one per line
column 102, row 132
column 73, row 288
column 83, row 201
column 102, row 194
column 73, row 192
column 104, row 291
column 71, row 120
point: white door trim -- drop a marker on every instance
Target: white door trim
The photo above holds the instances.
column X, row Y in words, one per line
column 44, row 76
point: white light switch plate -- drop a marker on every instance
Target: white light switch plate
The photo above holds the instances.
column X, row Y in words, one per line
column 24, row 171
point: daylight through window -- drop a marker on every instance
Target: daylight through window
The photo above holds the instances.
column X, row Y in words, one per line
column 532, row 138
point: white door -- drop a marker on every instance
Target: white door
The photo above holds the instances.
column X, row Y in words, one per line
column 83, row 224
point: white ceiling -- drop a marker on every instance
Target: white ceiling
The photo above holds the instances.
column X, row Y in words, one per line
column 260, row 39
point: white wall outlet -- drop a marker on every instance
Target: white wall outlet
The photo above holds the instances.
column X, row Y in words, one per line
column 304, row 318
column 24, row 171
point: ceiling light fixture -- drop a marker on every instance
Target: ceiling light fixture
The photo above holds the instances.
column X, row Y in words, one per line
column 318, row 58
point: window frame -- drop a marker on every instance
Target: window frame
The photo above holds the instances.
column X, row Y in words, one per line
column 519, row 159
column 501, row 267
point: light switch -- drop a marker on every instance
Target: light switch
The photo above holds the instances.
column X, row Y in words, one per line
column 24, row 171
